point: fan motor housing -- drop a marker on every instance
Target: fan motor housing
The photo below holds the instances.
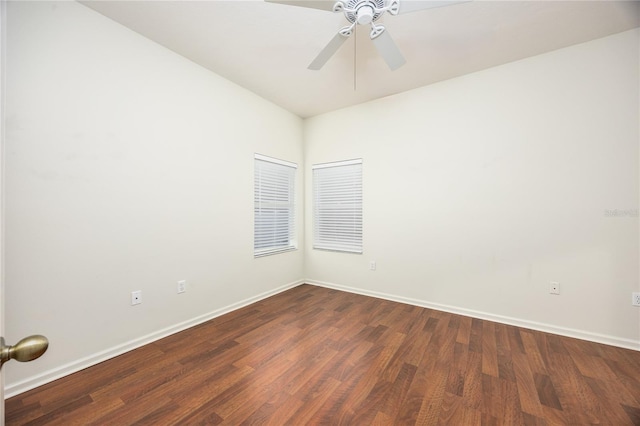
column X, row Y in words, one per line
column 366, row 16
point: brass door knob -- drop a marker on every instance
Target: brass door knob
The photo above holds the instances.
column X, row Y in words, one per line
column 27, row 349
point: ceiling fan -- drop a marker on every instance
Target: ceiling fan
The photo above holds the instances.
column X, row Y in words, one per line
column 363, row 12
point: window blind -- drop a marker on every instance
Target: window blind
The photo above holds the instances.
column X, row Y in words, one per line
column 337, row 206
column 274, row 206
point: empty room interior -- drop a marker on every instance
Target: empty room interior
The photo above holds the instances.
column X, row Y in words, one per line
column 320, row 212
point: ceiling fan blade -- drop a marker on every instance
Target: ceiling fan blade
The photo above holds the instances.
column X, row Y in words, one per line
column 407, row 6
column 328, row 51
column 388, row 50
column 313, row 4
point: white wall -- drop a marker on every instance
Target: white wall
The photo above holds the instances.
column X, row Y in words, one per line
column 127, row 168
column 480, row 190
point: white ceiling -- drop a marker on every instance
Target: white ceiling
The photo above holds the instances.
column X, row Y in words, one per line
column 266, row 47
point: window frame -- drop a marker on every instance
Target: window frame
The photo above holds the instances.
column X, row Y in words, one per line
column 273, row 191
column 333, row 230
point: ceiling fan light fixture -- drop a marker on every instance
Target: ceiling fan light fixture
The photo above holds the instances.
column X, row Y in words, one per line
column 365, row 15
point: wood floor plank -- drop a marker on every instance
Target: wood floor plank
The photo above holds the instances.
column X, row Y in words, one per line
column 366, row 411
column 308, row 370
column 546, row 391
column 457, row 370
column 306, row 412
column 614, row 390
column 409, row 352
column 455, row 412
column 534, row 355
column 475, row 336
column 576, row 398
column 313, row 355
column 489, row 349
column 512, row 414
column 260, row 394
column 200, row 396
column 464, row 330
column 527, row 391
column 472, row 391
column 370, row 377
column 505, row 367
column 633, row 413
column 264, row 412
column 62, row 410
column 492, row 397
column 399, row 390
column 515, row 340
column 610, row 402
column 381, row 419
column 87, row 413
column 433, row 397
column 555, row 417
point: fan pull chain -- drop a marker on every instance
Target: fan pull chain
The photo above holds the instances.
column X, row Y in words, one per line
column 355, row 54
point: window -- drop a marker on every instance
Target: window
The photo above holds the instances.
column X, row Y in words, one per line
column 274, row 206
column 337, row 206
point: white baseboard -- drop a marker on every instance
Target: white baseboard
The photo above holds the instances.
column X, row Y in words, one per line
column 13, row 389
column 548, row 328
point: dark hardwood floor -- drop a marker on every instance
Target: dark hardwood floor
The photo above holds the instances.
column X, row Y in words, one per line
column 313, row 355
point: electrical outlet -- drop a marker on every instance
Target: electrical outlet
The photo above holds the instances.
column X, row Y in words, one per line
column 636, row 299
column 182, row 286
column 554, row 287
column 136, row 297
column 372, row 265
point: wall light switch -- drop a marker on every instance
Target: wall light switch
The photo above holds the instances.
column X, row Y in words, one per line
column 136, row 297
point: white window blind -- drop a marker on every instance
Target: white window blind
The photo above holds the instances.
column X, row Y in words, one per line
column 274, row 206
column 337, row 206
